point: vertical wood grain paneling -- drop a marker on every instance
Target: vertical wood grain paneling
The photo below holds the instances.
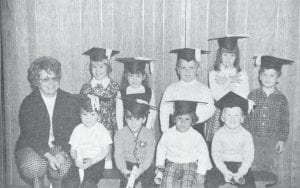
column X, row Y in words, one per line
column 9, row 46
column 65, row 29
column 199, row 35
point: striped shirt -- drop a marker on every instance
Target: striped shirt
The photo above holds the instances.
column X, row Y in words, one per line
column 270, row 117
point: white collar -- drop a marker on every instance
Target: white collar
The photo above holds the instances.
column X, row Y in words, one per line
column 234, row 130
column 189, row 83
column 104, row 82
column 132, row 90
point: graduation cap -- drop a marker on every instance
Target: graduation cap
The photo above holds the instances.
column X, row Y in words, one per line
column 233, row 100
column 229, row 42
column 189, row 54
column 136, row 64
column 271, row 62
column 185, row 107
column 136, row 107
column 97, row 54
column 90, row 103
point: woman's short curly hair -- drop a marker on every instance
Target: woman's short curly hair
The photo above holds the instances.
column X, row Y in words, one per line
column 46, row 63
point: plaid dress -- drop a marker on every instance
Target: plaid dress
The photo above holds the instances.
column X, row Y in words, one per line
column 107, row 110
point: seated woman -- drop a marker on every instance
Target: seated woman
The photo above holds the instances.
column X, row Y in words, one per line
column 47, row 117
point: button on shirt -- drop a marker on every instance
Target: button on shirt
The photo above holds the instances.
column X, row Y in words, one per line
column 270, row 117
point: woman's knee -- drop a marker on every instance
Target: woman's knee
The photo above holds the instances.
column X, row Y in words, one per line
column 31, row 164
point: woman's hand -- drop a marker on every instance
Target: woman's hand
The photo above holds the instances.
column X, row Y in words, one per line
column 53, row 161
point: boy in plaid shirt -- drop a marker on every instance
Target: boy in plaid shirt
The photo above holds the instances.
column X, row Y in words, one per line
column 269, row 121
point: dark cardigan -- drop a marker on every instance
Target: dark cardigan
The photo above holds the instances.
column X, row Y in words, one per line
column 35, row 123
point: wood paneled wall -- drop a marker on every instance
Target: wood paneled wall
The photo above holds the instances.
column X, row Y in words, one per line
column 65, row 29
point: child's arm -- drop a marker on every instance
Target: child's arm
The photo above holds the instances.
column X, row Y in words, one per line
column 150, row 149
column 119, row 154
column 166, row 108
column 77, row 160
column 119, row 111
column 152, row 113
column 248, row 155
column 217, row 150
column 218, row 90
column 100, row 156
column 161, row 152
column 242, row 86
column 284, row 125
column 204, row 162
column 205, row 111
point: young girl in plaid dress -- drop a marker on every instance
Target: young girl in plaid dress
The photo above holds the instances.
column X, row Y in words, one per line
column 102, row 86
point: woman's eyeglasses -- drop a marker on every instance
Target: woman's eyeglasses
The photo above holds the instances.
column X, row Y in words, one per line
column 46, row 80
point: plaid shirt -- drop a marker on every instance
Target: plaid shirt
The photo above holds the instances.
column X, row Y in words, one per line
column 270, row 117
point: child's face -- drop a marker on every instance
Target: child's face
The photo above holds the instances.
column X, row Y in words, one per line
column 48, row 83
column 187, row 70
column 183, row 122
column 135, row 80
column 135, row 123
column 89, row 119
column 99, row 69
column 233, row 117
column 269, row 78
column 228, row 59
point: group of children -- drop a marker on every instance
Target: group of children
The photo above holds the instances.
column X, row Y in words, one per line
column 117, row 122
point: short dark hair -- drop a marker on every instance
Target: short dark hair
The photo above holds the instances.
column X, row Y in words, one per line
column 128, row 114
column 262, row 69
column 46, row 63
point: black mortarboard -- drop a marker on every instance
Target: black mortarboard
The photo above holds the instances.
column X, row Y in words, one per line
column 189, row 54
column 229, row 42
column 97, row 54
column 184, row 106
column 232, row 100
column 137, row 107
column 87, row 104
column 135, row 64
column 271, row 62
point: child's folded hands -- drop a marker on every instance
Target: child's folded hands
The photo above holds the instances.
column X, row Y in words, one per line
column 228, row 176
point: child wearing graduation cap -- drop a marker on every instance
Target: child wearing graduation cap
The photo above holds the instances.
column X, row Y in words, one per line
column 135, row 86
column 182, row 152
column 232, row 146
column 269, row 121
column 101, row 85
column 187, row 88
column 135, row 145
column 90, row 143
column 226, row 76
